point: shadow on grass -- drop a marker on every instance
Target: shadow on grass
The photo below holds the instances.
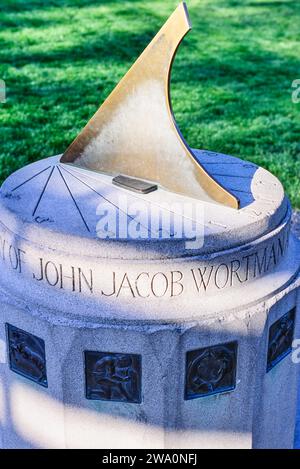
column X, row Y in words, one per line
column 285, row 4
column 111, row 47
column 12, row 6
column 261, row 4
column 40, row 16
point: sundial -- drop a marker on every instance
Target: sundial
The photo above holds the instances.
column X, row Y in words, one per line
column 133, row 148
column 137, row 314
column 134, row 135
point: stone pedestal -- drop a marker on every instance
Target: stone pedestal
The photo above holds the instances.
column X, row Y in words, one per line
column 146, row 343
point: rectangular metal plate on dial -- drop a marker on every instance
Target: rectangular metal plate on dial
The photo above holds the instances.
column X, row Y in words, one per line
column 136, row 185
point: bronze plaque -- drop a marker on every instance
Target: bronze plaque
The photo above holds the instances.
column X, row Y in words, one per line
column 211, row 370
column 27, row 355
column 113, row 376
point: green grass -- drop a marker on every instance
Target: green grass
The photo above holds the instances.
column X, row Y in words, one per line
column 231, row 80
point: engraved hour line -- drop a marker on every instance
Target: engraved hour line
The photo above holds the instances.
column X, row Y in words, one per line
column 144, row 200
column 231, row 176
column 43, row 191
column 218, row 163
column 251, row 215
column 32, row 177
column 75, row 203
column 109, row 201
column 211, row 222
column 267, row 200
column 228, row 175
column 100, row 195
column 238, row 190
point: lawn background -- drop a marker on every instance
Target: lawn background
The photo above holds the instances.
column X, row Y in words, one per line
column 231, row 80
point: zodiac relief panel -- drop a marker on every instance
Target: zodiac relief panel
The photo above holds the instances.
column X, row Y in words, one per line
column 27, row 355
column 118, row 376
column 281, row 335
column 113, row 376
column 210, row 370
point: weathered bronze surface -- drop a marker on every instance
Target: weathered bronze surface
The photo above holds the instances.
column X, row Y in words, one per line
column 280, row 338
column 210, row 370
column 134, row 132
column 113, row 376
column 135, row 185
column 27, row 355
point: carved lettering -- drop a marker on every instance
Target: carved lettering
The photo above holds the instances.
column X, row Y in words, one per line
column 114, row 287
column 87, row 282
column 235, row 266
column 51, row 273
column 260, row 265
column 15, row 258
column 55, row 274
column 11, row 254
column 159, row 279
column 272, row 258
column 202, row 280
column 125, row 283
column 247, row 259
column 240, row 271
column 41, row 271
column 137, row 284
column 143, row 285
column 217, row 276
column 2, row 246
column 69, row 277
column 176, row 284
